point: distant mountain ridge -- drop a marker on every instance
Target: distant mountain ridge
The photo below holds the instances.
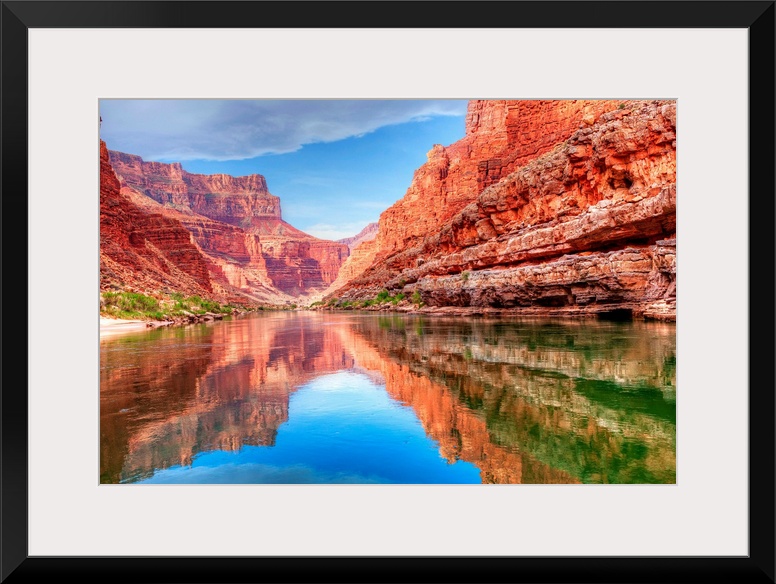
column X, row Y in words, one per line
column 366, row 234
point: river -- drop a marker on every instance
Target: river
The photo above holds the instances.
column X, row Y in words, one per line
column 352, row 397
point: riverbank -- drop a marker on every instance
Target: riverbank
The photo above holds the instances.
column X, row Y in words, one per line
column 116, row 326
column 659, row 311
column 127, row 311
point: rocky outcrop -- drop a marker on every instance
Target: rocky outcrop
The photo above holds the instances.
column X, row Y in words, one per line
column 500, row 137
column 582, row 224
column 240, row 201
column 144, row 250
column 236, row 265
column 303, row 266
column 362, row 247
column 237, row 224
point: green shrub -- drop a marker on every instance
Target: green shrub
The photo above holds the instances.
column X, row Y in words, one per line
column 129, row 305
column 383, row 296
column 416, row 297
column 465, row 275
column 133, row 305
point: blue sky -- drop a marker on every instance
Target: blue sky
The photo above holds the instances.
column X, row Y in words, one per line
column 335, row 164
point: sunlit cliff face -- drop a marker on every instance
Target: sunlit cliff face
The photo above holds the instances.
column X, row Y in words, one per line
column 560, row 402
column 236, row 225
column 564, row 207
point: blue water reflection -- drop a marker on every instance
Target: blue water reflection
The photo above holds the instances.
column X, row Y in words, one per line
column 341, row 428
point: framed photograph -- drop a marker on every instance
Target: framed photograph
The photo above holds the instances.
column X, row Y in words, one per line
column 344, row 269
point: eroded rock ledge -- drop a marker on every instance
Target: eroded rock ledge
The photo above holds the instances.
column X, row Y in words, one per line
column 587, row 226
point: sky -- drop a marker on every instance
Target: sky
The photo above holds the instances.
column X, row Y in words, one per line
column 335, row 164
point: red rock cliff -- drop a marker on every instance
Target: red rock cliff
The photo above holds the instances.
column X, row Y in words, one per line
column 500, row 137
column 237, row 223
column 143, row 250
column 545, row 207
column 241, row 201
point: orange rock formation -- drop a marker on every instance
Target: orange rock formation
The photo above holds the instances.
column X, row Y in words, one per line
column 237, row 225
column 144, row 248
column 545, row 207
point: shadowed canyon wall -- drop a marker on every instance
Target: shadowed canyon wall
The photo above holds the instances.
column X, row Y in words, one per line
column 144, row 248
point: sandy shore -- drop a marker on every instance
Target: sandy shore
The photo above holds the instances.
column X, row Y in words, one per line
column 115, row 326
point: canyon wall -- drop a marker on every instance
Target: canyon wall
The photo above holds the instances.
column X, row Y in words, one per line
column 239, row 201
column 360, row 259
column 554, row 207
column 500, row 137
column 237, row 226
column 145, row 250
column 235, row 263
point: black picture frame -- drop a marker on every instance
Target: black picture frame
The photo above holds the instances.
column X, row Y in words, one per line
column 757, row 17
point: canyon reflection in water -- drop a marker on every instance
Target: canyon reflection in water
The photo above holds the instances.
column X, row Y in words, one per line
column 320, row 397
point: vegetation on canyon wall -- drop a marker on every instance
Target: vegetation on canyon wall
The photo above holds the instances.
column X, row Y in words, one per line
column 383, row 300
column 172, row 307
column 134, row 305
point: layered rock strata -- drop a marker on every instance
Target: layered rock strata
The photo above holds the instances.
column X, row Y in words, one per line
column 584, row 224
column 143, row 249
column 360, row 259
column 500, row 137
column 236, row 266
column 237, row 224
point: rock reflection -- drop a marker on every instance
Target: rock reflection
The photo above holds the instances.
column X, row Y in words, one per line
column 525, row 401
column 173, row 393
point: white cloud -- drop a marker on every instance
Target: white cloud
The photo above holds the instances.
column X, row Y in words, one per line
column 240, row 129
